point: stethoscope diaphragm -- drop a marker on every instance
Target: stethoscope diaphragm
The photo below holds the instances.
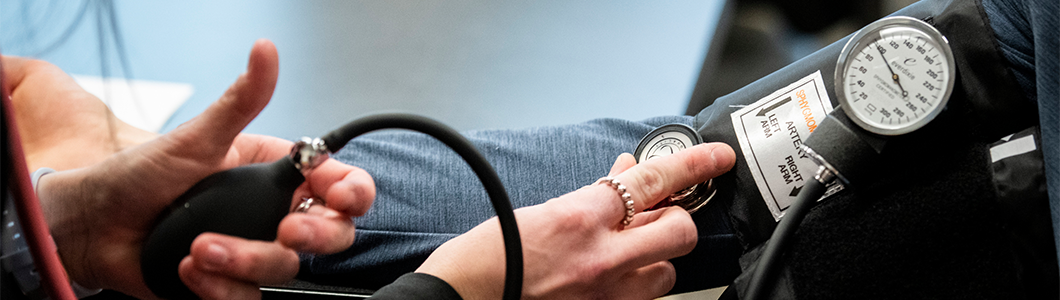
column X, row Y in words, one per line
column 669, row 139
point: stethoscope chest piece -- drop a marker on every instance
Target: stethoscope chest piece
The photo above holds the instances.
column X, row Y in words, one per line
column 669, row 139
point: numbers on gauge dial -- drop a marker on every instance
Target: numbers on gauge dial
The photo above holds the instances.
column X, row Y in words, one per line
column 896, row 79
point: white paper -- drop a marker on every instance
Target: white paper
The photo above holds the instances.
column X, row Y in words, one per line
column 142, row 103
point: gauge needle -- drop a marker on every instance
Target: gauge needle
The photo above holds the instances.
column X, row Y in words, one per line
column 894, row 75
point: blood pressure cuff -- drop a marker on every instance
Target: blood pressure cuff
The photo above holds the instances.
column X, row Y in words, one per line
column 933, row 219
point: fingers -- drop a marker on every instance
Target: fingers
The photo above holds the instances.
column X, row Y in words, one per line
column 347, row 189
column 224, row 267
column 661, row 235
column 224, row 119
column 320, row 230
column 654, row 180
column 624, row 162
column 210, row 286
column 242, row 260
column 648, row 282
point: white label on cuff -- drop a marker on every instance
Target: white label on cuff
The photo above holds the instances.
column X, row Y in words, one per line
column 1012, row 148
column 771, row 132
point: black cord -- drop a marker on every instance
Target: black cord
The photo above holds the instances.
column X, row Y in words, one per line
column 338, row 138
column 765, row 271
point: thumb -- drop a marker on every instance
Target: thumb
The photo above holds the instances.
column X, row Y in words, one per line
column 219, row 124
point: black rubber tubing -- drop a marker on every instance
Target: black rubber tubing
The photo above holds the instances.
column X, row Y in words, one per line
column 766, row 269
column 513, row 280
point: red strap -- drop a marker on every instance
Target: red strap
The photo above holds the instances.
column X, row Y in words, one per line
column 45, row 255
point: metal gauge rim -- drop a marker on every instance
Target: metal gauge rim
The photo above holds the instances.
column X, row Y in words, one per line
column 685, row 130
column 669, row 138
column 868, row 35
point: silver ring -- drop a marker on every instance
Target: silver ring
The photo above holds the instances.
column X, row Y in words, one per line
column 627, row 199
column 306, row 204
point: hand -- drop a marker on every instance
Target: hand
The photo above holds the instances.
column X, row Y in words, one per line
column 62, row 126
column 574, row 246
column 100, row 215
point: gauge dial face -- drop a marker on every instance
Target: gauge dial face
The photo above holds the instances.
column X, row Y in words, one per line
column 895, row 75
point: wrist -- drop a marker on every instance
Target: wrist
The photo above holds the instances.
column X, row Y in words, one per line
column 472, row 279
column 62, row 205
column 452, row 276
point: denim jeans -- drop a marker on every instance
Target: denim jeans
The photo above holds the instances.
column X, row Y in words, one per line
column 427, row 195
column 1028, row 35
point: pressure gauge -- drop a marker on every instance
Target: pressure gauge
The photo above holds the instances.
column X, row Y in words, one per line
column 895, row 75
column 669, row 139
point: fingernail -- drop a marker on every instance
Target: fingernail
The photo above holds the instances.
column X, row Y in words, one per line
column 216, row 257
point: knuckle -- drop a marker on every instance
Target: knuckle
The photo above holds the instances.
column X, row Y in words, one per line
column 332, row 237
column 251, row 262
column 594, row 270
column 696, row 161
column 651, row 183
column 687, row 230
column 575, row 218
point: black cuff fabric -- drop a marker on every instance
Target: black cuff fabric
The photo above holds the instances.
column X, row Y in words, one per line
column 417, row 286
